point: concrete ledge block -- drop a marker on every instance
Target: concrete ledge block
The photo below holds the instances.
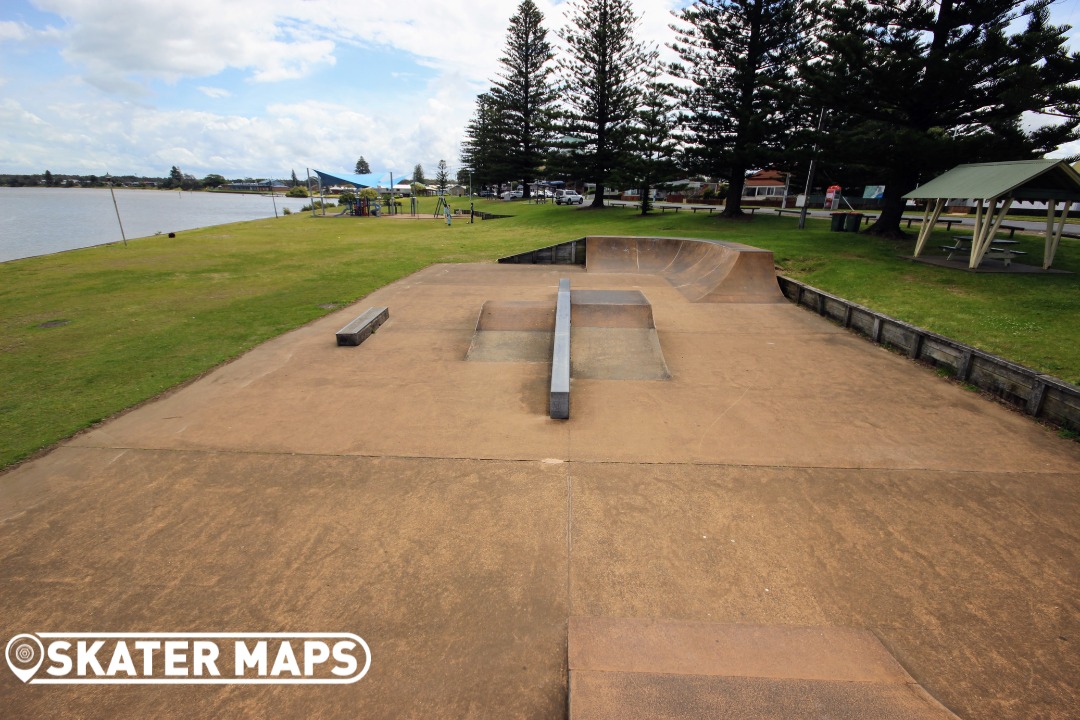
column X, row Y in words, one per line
column 363, row 326
column 559, row 404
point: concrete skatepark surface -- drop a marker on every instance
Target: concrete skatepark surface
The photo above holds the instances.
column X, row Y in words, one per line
column 787, row 473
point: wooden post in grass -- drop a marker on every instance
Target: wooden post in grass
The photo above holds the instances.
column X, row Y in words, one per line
column 309, row 192
column 117, row 208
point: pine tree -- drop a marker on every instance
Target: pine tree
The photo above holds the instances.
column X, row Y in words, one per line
column 486, row 148
column 362, row 167
column 294, row 181
column 175, row 179
column 418, row 174
column 602, row 85
column 740, row 103
column 654, row 145
column 442, row 178
column 524, row 95
column 917, row 87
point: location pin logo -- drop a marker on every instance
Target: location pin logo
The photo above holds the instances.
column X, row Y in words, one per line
column 24, row 655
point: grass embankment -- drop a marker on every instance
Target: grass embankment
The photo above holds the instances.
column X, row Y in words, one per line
column 85, row 334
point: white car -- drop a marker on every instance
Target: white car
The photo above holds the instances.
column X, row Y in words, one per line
column 568, row 197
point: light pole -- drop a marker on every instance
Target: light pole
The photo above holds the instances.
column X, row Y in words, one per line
column 810, row 176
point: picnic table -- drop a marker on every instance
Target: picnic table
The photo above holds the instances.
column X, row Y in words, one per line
column 999, row 248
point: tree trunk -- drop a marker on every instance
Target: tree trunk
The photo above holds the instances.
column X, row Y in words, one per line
column 892, row 210
column 733, row 202
column 598, row 197
column 525, row 193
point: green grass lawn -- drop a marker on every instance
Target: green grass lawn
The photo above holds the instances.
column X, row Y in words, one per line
column 87, row 333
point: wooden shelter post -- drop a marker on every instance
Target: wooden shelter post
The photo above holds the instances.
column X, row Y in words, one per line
column 976, row 232
column 1053, row 235
column 928, row 227
column 991, row 224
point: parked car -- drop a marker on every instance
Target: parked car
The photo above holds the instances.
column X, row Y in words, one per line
column 568, row 197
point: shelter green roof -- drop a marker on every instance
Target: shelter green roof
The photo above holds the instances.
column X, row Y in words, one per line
column 1021, row 180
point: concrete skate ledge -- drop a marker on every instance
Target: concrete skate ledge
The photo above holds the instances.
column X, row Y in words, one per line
column 559, row 405
column 363, row 326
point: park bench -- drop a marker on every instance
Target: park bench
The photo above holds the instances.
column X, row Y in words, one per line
column 363, row 326
column 789, row 211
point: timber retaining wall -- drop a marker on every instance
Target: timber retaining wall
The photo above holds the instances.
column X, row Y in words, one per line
column 1042, row 396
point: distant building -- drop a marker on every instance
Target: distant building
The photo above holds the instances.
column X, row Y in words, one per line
column 263, row 186
column 765, row 184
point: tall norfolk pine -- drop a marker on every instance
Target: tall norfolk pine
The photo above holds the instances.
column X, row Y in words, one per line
column 522, row 99
column 654, row 147
column 915, row 87
column 739, row 97
column 486, row 149
column 602, row 80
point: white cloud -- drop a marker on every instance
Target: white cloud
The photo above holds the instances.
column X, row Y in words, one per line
column 127, row 48
column 123, row 46
column 1067, row 150
column 125, row 41
column 11, row 30
column 118, row 136
column 214, row 92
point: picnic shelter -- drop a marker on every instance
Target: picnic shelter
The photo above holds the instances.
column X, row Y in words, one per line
column 995, row 187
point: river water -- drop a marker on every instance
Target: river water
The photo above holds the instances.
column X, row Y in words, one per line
column 39, row 221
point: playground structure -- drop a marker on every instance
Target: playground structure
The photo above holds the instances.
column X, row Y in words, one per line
column 385, row 200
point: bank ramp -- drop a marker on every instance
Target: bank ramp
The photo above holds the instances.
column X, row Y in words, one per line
column 636, row 668
column 702, row 270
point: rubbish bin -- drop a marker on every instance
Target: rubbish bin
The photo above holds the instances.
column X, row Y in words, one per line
column 838, row 222
column 853, row 221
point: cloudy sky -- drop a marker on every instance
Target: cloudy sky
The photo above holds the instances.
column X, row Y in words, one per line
column 249, row 87
column 256, row 87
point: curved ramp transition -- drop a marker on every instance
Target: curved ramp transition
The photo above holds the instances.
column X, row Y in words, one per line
column 702, row 270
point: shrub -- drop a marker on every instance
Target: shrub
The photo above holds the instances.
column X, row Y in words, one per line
column 297, row 192
column 346, row 198
column 286, row 211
